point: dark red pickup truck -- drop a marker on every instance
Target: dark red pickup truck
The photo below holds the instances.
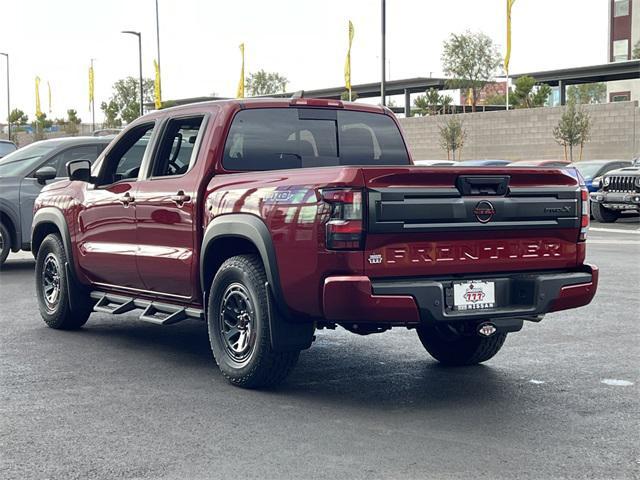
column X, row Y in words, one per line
column 271, row 218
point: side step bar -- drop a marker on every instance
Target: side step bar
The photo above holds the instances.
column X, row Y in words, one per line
column 153, row 312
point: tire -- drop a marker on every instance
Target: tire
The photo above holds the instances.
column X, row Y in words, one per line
column 5, row 243
column 53, row 286
column 240, row 338
column 604, row 215
column 456, row 350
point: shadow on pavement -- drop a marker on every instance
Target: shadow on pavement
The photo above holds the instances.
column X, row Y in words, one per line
column 21, row 264
column 328, row 373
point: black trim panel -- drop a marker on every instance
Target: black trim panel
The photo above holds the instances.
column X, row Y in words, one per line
column 518, row 295
column 395, row 210
column 253, row 229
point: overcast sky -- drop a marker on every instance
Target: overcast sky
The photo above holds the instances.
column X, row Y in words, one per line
column 305, row 40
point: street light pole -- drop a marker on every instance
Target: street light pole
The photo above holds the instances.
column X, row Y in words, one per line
column 8, row 98
column 383, row 54
column 139, row 35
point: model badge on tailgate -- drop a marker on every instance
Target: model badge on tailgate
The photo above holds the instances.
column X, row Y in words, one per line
column 375, row 258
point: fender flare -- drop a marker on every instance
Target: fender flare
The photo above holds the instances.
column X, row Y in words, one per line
column 7, row 210
column 253, row 229
column 286, row 335
column 51, row 215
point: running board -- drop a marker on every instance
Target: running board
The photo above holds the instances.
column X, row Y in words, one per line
column 157, row 313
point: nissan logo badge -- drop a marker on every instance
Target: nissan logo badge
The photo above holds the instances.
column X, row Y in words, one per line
column 484, row 211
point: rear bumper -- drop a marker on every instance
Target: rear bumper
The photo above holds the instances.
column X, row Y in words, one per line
column 526, row 296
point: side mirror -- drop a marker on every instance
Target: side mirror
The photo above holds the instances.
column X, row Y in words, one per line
column 596, row 182
column 45, row 173
column 79, row 170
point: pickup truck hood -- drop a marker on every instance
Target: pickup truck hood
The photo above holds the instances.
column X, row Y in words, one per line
column 449, row 220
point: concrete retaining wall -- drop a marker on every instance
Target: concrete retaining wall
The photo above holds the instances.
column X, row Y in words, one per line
column 527, row 134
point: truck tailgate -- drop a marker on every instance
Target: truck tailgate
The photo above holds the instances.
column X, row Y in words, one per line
column 443, row 221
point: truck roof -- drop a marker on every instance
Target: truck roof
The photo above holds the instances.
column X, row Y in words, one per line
column 269, row 102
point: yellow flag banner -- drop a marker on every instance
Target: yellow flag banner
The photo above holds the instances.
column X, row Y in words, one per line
column 91, row 79
column 347, row 63
column 240, row 93
column 49, row 89
column 38, row 111
column 507, row 55
column 157, row 92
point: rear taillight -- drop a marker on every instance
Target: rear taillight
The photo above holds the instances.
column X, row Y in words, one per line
column 585, row 216
column 345, row 227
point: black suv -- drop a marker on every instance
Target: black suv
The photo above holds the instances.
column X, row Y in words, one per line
column 619, row 191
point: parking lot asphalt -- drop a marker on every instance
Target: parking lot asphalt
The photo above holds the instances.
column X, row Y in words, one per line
column 125, row 399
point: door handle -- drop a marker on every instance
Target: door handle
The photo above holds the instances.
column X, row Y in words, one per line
column 126, row 199
column 180, row 198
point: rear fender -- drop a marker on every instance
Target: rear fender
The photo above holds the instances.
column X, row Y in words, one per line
column 285, row 335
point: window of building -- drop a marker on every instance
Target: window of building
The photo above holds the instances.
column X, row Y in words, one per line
column 621, row 50
column 620, row 96
column 620, row 8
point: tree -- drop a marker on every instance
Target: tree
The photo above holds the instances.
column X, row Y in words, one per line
column 111, row 111
column 574, row 128
column 471, row 59
column 168, row 104
column 72, row 122
column 41, row 122
column 18, row 117
column 344, row 96
column 587, row 93
column 265, row 83
column 527, row 95
column 447, row 103
column 432, row 103
column 452, row 136
column 636, row 51
column 126, row 98
column 500, row 99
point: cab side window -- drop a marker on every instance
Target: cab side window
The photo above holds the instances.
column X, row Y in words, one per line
column 176, row 150
column 125, row 158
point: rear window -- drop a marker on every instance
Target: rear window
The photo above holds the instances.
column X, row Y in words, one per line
column 277, row 138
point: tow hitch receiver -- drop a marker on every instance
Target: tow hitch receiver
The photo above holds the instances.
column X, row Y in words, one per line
column 486, row 329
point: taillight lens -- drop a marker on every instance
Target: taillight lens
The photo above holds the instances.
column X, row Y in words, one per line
column 345, row 227
column 585, row 216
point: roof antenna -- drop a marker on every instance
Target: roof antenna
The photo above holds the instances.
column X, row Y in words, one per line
column 298, row 94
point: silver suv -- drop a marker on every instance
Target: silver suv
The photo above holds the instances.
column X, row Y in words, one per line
column 24, row 172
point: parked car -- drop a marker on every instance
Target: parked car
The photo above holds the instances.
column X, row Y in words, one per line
column 594, row 169
column 484, row 163
column 619, row 192
column 106, row 132
column 434, row 163
column 23, row 174
column 7, row 147
column 540, row 163
column 269, row 218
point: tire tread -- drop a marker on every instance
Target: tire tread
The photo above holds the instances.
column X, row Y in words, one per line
column 269, row 368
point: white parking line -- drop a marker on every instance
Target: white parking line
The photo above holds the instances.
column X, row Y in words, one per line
column 614, row 230
column 602, row 241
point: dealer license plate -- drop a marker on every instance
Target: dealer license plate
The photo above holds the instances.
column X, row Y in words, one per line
column 474, row 295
